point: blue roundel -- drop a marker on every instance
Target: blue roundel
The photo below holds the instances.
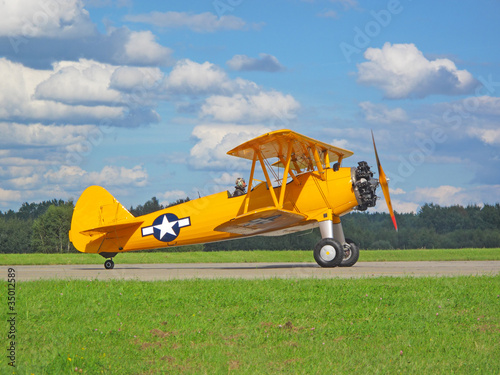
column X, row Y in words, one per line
column 166, row 227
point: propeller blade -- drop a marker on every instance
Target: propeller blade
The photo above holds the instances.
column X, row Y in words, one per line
column 384, row 183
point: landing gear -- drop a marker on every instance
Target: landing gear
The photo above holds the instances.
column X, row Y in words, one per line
column 334, row 249
column 328, row 253
column 109, row 264
column 351, row 253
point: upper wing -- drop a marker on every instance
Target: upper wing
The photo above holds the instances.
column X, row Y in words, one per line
column 277, row 143
column 266, row 220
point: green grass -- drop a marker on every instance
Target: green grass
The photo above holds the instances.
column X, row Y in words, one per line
column 248, row 256
column 336, row 326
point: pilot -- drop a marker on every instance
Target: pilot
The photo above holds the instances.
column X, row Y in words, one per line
column 240, row 187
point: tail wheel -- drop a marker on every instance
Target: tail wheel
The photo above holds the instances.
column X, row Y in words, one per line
column 351, row 254
column 328, row 253
column 109, row 264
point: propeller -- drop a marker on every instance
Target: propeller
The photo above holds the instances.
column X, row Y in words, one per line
column 384, row 183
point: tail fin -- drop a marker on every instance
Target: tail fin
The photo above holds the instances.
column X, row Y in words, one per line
column 96, row 214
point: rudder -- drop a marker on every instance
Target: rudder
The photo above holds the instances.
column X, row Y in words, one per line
column 96, row 210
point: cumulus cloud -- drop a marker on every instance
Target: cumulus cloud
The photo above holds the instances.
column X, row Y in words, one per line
column 81, row 82
column 191, row 78
column 127, row 78
column 202, row 22
column 402, row 71
column 39, row 135
column 265, row 63
column 35, row 19
column 342, row 143
column 444, row 195
column 379, row 113
column 71, row 92
column 490, row 136
column 264, row 106
column 7, row 196
column 473, row 117
column 171, row 196
column 142, row 49
column 215, row 140
column 73, row 177
column 118, row 46
column 447, row 195
column 227, row 178
column 48, row 181
column 18, row 96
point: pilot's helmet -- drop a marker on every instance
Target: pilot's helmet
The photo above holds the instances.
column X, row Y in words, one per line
column 240, row 182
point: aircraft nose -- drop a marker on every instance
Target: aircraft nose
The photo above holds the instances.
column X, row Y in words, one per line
column 364, row 186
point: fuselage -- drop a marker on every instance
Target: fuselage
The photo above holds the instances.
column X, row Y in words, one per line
column 193, row 222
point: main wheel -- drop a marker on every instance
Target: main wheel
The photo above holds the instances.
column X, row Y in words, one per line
column 351, row 253
column 328, row 252
column 109, row 264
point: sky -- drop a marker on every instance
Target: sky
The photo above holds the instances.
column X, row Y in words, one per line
column 145, row 98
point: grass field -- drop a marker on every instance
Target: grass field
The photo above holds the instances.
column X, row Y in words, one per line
column 249, row 256
column 338, row 326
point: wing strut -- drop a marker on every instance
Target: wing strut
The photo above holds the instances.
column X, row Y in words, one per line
column 318, row 162
column 268, row 180
column 285, row 175
column 247, row 198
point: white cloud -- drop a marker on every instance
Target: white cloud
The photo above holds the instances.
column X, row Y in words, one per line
column 19, row 101
column 202, row 22
column 35, row 135
column 397, row 191
column 215, row 140
column 7, row 196
column 445, row 195
column 31, row 179
column 35, row 19
column 227, row 178
column 142, row 48
column 379, row 113
column 171, row 196
column 342, row 143
column 265, row 62
column 79, row 82
column 473, row 117
column 127, row 78
column 73, row 177
column 264, row 106
column 25, row 182
column 72, row 92
column 488, row 136
column 191, row 78
column 403, row 207
column 402, row 71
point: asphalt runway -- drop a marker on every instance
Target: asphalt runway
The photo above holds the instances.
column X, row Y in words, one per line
column 150, row 272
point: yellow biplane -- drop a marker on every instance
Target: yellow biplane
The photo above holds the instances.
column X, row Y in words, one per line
column 314, row 191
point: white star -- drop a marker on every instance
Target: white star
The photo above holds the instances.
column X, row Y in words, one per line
column 166, row 227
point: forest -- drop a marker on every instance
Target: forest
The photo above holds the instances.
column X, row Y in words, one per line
column 43, row 227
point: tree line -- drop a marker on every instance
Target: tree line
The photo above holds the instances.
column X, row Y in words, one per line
column 43, row 228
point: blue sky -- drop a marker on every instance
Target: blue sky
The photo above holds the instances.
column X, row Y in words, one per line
column 145, row 98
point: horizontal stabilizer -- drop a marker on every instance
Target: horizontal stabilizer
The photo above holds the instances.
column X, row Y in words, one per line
column 265, row 220
column 110, row 228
